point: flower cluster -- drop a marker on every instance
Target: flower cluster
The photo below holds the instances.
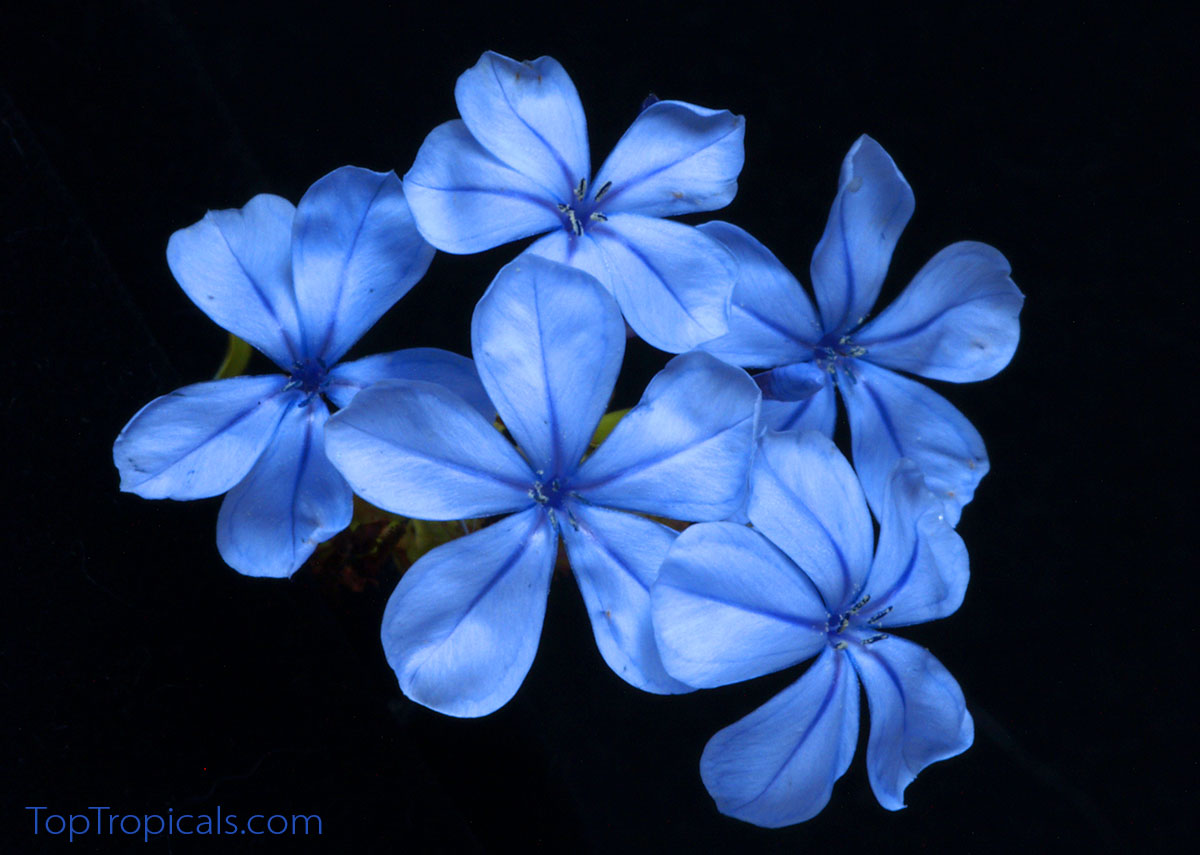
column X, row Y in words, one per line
column 716, row 533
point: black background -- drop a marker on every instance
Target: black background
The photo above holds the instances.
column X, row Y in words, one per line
column 140, row 672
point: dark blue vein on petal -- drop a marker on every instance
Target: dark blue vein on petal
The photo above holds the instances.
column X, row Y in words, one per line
column 603, row 546
column 617, row 190
column 562, row 164
column 821, row 710
column 924, row 325
column 655, row 460
column 551, row 412
column 242, row 416
column 885, row 416
column 287, row 338
column 301, row 467
column 510, row 562
column 885, row 599
column 837, row 549
column 341, row 278
column 616, row 236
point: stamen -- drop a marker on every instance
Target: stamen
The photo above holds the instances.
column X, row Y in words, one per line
column 841, row 645
column 581, row 190
column 599, row 218
column 854, row 609
column 874, row 638
column 842, row 626
column 600, row 193
column 576, row 226
column 881, row 615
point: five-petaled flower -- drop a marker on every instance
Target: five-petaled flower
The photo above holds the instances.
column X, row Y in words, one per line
column 733, row 602
column 517, row 164
column 462, row 627
column 956, row 321
column 301, row 284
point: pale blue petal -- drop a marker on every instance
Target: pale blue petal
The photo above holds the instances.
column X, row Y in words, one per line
column 355, row 252
column 805, row 498
column 893, row 417
column 798, row 381
column 292, row 500
column 528, row 115
column 236, row 265
column 771, row 320
column 672, row 282
column 918, row 715
column 615, row 558
column 464, row 200
column 676, row 158
column 462, row 627
column 419, row 450
column 957, row 320
column 729, row 606
column 921, row 569
column 202, row 439
column 684, row 450
column 818, row 412
column 548, row 343
column 431, row 364
column 777, row 766
column 872, row 206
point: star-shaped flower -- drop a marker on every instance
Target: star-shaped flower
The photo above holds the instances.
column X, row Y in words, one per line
column 462, row 626
column 517, row 164
column 300, row 284
column 956, row 321
column 733, row 603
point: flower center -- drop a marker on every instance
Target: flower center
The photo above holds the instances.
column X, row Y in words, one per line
column 581, row 211
column 848, row 626
column 309, row 376
column 549, row 495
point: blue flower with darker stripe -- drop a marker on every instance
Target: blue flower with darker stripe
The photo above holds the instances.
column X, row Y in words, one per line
column 809, row 583
column 518, row 164
column 301, row 284
column 956, row 321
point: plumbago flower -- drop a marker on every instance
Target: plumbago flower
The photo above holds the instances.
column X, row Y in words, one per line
column 517, row 164
column 300, row 284
column 805, row 584
column 956, row 321
column 462, row 626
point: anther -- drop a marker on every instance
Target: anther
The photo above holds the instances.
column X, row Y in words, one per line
column 581, row 190
column 881, row 615
column 874, row 638
column 604, row 189
column 599, row 218
column 854, row 609
column 842, row 626
column 841, row 645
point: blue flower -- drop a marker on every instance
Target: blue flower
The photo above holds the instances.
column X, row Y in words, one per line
column 517, row 164
column 301, row 284
column 956, row 321
column 805, row 584
column 462, row 626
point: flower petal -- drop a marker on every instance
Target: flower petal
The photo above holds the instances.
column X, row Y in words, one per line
column 893, row 417
column 202, row 439
column 818, row 412
column 292, row 500
column 676, row 158
column 431, row 364
column 872, row 206
column 918, row 715
column 798, row 381
column 419, row 450
column 464, row 200
column 683, row 451
column 548, row 343
column 672, row 281
column 615, row 558
column 528, row 115
column 236, row 265
column 805, row 498
column 729, row 606
column 921, row 569
column 462, row 627
column 957, row 320
column 355, row 252
column 777, row 766
column 771, row 320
